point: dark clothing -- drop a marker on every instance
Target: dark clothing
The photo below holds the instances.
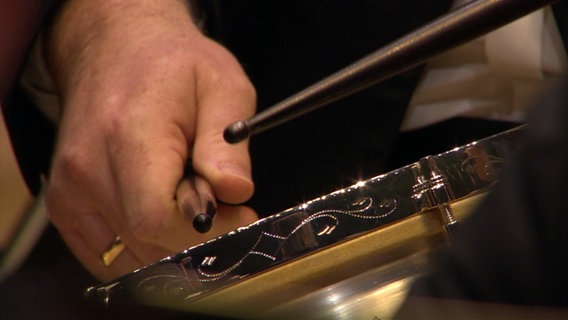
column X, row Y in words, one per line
column 19, row 22
column 512, row 250
column 32, row 135
column 286, row 46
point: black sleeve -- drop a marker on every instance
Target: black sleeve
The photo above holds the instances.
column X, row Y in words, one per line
column 31, row 134
column 32, row 137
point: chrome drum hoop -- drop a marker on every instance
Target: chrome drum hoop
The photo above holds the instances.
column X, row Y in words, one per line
column 433, row 182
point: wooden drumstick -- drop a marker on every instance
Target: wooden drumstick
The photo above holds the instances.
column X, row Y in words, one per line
column 463, row 24
column 196, row 201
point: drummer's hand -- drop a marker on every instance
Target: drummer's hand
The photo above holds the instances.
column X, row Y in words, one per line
column 143, row 91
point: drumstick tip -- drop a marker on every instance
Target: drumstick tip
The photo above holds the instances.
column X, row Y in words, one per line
column 203, row 221
column 236, row 132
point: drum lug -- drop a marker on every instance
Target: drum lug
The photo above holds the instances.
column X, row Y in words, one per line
column 432, row 190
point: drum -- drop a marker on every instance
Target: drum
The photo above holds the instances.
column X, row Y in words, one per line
column 348, row 254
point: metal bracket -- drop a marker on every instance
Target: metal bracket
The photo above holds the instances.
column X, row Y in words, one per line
column 432, row 190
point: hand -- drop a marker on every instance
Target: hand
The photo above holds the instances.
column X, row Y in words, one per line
column 143, row 91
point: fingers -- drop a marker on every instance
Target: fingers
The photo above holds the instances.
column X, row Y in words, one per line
column 151, row 199
column 88, row 236
column 123, row 264
column 225, row 96
column 146, row 183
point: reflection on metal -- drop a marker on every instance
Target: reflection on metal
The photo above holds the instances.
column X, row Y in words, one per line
column 432, row 190
column 350, row 231
column 374, row 294
column 269, row 292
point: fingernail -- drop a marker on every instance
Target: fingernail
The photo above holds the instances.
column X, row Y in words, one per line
column 211, row 209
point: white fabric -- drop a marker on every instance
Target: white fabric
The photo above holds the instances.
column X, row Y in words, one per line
column 495, row 76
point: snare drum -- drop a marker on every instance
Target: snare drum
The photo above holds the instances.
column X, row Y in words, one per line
column 351, row 253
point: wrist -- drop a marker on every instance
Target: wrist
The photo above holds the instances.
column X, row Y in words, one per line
column 86, row 29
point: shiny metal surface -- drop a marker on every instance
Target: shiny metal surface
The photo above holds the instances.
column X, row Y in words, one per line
column 321, row 242
column 376, row 293
column 269, row 293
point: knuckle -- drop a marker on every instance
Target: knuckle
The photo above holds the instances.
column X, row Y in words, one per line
column 68, row 170
column 245, row 87
column 70, row 163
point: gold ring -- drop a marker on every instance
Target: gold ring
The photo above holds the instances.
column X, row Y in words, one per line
column 112, row 252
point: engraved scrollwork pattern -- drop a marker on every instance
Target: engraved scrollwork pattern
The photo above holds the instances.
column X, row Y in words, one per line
column 314, row 225
column 362, row 209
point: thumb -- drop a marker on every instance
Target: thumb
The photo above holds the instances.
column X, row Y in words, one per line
column 227, row 167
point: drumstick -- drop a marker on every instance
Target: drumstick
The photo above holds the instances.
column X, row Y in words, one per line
column 196, row 202
column 465, row 23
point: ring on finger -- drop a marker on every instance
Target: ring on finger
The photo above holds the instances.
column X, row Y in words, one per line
column 114, row 250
